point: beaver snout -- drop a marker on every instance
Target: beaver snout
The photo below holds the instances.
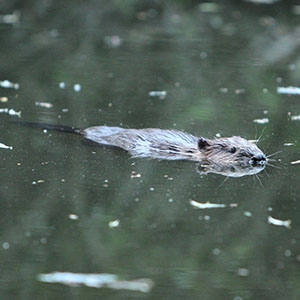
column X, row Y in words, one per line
column 258, row 159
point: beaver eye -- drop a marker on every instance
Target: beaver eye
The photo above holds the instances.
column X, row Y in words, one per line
column 232, row 150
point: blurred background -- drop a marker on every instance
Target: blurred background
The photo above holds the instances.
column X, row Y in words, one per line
column 67, row 205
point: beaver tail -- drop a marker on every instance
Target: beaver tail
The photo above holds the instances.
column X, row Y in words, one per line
column 54, row 127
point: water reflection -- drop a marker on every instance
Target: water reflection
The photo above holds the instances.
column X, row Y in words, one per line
column 230, row 170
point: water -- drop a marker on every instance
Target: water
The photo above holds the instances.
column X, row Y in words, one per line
column 71, row 206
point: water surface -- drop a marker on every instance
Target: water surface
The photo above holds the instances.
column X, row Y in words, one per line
column 59, row 194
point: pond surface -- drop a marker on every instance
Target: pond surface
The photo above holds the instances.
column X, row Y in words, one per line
column 68, row 205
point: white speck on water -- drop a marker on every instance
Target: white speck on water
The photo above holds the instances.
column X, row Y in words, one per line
column 290, row 90
column 261, row 121
column 3, row 99
column 206, row 205
column 44, row 104
column 43, row 240
column 103, row 280
column 135, row 175
column 114, row 223
column 287, row 252
column 247, row 214
column 5, row 245
column 73, row 217
column 3, row 146
column 10, row 18
column 77, row 87
column 152, row 189
column 113, row 41
column 203, row 55
column 62, row 85
column 216, row 251
column 160, row 94
column 295, row 118
column 239, row 91
column 243, row 272
column 277, row 222
column 224, row 90
column 9, row 85
column 10, row 111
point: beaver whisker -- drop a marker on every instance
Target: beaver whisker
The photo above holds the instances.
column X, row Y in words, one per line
column 273, row 166
column 275, row 153
column 259, row 180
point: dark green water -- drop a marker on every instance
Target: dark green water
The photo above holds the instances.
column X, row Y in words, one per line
column 221, row 70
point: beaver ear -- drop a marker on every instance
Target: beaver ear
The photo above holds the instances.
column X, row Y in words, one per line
column 202, row 143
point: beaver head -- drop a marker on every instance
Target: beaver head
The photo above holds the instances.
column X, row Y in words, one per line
column 233, row 150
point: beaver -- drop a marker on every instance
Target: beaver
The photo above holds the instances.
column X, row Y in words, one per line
column 177, row 145
column 228, row 152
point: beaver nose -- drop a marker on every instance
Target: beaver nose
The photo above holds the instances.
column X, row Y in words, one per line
column 258, row 159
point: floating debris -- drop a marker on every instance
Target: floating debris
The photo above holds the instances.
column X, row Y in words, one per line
column 290, row 90
column 295, row 162
column 224, row 90
column 261, row 121
column 135, row 175
column 295, row 118
column 243, row 272
column 288, row 144
column 5, row 245
column 73, row 217
column 248, row 214
column 239, row 91
column 114, row 224
column 77, row 87
column 97, row 281
column 113, row 41
column 62, row 85
column 9, row 85
column 160, row 94
column 3, row 146
column 44, row 104
column 286, row 223
column 3, row 99
column 10, row 18
column 206, row 205
column 10, row 111
column 38, row 181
